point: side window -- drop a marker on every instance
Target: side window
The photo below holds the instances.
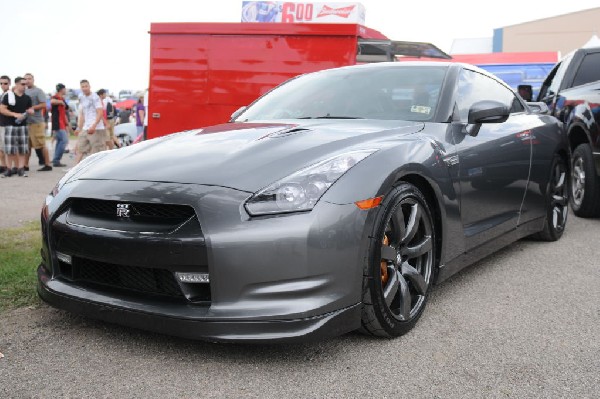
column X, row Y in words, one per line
column 474, row 87
column 589, row 70
column 558, row 77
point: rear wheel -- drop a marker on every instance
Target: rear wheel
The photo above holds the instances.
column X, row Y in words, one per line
column 557, row 202
column 401, row 264
column 585, row 185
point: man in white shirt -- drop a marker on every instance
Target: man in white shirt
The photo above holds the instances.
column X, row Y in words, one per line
column 90, row 126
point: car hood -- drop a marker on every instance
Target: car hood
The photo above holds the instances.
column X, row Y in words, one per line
column 244, row 156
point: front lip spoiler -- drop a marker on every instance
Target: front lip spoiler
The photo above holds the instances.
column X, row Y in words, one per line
column 264, row 331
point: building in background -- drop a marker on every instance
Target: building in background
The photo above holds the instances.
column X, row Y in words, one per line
column 561, row 34
column 525, row 53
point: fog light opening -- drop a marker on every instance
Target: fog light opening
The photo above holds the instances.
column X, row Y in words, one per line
column 68, row 259
column 192, row 277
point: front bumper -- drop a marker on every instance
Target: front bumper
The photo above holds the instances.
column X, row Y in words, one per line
column 182, row 324
column 290, row 278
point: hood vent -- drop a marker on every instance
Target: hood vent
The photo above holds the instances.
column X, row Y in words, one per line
column 288, row 132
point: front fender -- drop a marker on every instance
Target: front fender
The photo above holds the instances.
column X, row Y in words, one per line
column 418, row 161
column 378, row 173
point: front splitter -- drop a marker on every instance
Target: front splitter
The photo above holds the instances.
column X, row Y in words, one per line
column 263, row 331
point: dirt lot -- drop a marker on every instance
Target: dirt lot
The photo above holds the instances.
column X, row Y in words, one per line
column 522, row 323
column 22, row 197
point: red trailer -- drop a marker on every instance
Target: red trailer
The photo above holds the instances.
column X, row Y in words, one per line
column 200, row 73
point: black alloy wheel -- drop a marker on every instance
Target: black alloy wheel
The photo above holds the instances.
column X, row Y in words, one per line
column 557, row 201
column 585, row 185
column 401, row 266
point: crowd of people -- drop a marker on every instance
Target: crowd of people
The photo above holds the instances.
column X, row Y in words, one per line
column 23, row 126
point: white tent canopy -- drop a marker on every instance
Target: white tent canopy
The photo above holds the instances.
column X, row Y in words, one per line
column 593, row 42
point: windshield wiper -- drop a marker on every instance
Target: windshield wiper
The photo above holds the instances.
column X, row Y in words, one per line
column 331, row 117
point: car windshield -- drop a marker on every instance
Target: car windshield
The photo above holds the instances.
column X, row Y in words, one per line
column 394, row 92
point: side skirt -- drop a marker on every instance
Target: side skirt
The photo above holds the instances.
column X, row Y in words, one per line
column 489, row 247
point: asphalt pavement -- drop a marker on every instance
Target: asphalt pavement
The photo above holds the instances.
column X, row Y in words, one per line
column 522, row 323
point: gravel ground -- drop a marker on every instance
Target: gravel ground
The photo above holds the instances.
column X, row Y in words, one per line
column 522, row 323
column 22, row 197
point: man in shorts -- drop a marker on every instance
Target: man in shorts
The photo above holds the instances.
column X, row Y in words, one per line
column 109, row 115
column 4, row 87
column 36, row 123
column 16, row 106
column 90, row 126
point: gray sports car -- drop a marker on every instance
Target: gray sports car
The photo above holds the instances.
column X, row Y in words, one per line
column 331, row 204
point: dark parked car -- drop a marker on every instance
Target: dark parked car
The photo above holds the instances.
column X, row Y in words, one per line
column 331, row 204
column 572, row 93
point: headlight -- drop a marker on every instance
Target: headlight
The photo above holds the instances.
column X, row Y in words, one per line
column 76, row 170
column 300, row 191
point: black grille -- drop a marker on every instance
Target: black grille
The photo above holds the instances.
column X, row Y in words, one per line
column 131, row 278
column 138, row 210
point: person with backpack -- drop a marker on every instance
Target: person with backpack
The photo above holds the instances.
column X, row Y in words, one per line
column 16, row 106
column 4, row 88
column 110, row 115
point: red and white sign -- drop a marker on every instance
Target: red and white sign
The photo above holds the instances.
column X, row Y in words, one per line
column 298, row 12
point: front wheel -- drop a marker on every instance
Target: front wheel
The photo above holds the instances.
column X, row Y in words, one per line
column 557, row 202
column 401, row 264
column 585, row 185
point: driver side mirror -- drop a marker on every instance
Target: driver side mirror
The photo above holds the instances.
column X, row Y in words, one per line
column 526, row 92
column 487, row 111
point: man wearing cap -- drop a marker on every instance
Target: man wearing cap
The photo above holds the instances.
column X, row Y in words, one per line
column 60, row 122
column 36, row 123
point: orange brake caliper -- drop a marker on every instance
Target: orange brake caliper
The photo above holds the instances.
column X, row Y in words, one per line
column 384, row 269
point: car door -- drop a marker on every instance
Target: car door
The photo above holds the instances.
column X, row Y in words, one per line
column 494, row 164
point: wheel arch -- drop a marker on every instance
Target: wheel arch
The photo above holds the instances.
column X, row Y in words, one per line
column 577, row 135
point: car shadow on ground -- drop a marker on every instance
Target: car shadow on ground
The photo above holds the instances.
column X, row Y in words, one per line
column 77, row 328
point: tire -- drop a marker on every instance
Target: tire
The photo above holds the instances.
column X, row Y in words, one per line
column 585, row 185
column 400, row 264
column 557, row 201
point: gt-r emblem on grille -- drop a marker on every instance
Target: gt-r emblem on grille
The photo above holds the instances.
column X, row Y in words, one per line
column 123, row 210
